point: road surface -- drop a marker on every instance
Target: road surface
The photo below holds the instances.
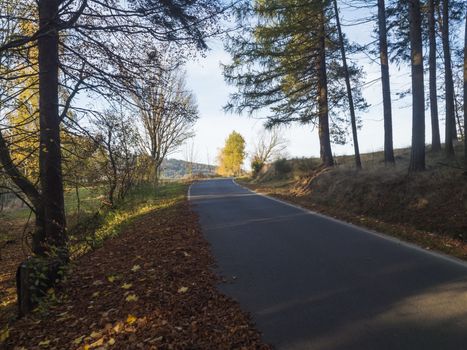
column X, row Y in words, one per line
column 311, row 282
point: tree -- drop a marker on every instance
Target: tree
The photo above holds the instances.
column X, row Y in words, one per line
column 117, row 140
column 88, row 46
column 283, row 63
column 353, row 119
column 269, row 146
column 232, row 155
column 435, row 136
column 449, row 89
column 167, row 111
column 385, row 82
column 465, row 95
column 417, row 158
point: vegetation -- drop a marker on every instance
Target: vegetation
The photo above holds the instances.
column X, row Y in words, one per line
column 426, row 208
column 232, row 155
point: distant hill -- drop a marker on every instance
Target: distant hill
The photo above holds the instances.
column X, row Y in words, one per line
column 175, row 169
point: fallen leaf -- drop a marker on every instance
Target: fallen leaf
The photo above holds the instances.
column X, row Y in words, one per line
column 78, row 340
column 183, row 289
column 111, row 279
column 131, row 319
column 4, row 334
column 127, row 285
column 135, row 268
column 44, row 343
column 131, row 297
column 111, row 341
column 96, row 335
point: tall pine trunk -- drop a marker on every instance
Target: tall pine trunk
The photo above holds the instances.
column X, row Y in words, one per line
column 387, row 109
column 50, row 150
column 353, row 119
column 435, row 136
column 417, row 159
column 449, row 90
column 324, row 137
column 465, row 94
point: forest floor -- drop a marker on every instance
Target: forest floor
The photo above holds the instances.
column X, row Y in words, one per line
column 150, row 287
column 428, row 209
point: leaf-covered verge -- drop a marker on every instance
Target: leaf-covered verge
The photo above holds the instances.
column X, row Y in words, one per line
column 88, row 228
column 150, row 287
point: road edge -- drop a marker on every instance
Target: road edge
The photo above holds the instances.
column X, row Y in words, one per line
column 413, row 246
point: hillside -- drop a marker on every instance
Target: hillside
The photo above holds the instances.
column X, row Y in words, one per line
column 176, row 169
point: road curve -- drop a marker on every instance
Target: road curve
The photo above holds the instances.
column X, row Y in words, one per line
column 311, row 282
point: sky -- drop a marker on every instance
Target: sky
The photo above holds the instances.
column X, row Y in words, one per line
column 204, row 78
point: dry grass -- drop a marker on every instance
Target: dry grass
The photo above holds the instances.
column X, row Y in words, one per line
column 428, row 208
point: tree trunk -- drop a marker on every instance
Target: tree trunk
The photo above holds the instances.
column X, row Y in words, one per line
column 435, row 136
column 465, row 95
column 449, row 90
column 324, row 137
column 417, row 159
column 353, row 119
column 50, row 153
column 387, row 109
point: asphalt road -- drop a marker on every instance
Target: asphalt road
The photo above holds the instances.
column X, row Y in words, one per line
column 311, row 282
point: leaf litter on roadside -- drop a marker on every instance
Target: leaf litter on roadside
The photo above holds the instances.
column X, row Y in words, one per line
column 152, row 287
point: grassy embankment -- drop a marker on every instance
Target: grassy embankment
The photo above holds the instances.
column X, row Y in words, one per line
column 428, row 208
column 89, row 227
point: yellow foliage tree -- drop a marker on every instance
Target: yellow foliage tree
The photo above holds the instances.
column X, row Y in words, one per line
column 232, row 155
column 23, row 118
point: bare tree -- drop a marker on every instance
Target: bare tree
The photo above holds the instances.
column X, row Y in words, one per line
column 167, row 111
column 118, row 140
column 269, row 146
column 86, row 45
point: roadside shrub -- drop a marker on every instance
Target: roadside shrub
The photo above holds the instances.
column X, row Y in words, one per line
column 282, row 167
column 256, row 166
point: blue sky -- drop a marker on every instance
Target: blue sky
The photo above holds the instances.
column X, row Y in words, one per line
column 206, row 81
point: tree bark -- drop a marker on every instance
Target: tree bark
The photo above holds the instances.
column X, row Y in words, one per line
column 435, row 136
column 50, row 151
column 449, row 90
column 385, row 82
column 417, row 159
column 353, row 120
column 324, row 136
column 465, row 95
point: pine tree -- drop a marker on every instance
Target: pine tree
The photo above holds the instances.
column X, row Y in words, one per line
column 417, row 159
column 290, row 63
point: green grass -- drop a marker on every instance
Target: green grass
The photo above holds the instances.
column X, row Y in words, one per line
column 91, row 233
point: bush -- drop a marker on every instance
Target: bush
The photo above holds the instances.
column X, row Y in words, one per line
column 282, row 167
column 256, row 166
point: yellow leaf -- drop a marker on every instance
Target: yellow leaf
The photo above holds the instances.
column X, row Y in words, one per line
column 135, row 268
column 78, row 340
column 4, row 334
column 97, row 343
column 183, row 289
column 131, row 297
column 96, row 335
column 111, row 341
column 44, row 343
column 131, row 319
column 111, row 278
column 127, row 285
column 95, row 294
